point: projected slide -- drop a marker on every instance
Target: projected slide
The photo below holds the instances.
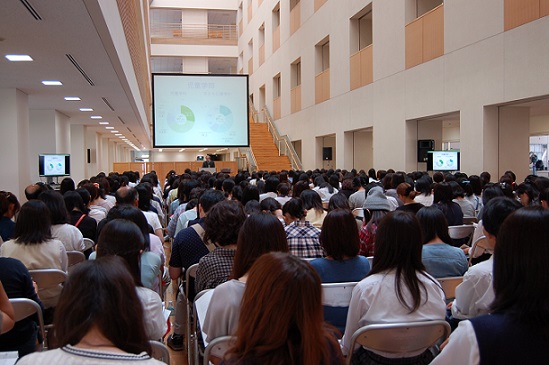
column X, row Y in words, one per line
column 200, row 110
column 445, row 161
column 54, row 165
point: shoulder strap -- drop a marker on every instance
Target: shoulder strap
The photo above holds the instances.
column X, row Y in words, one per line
column 200, row 231
column 80, row 220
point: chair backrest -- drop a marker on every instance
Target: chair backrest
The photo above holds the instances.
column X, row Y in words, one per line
column 370, row 260
column 88, row 243
column 449, row 285
column 396, row 338
column 218, row 347
column 463, row 231
column 337, row 294
column 190, row 273
column 46, row 278
column 470, row 220
column 479, row 244
column 160, row 352
column 24, row 307
column 358, row 212
column 74, row 258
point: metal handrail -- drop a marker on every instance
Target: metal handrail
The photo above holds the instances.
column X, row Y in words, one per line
column 283, row 143
column 250, row 157
column 202, row 31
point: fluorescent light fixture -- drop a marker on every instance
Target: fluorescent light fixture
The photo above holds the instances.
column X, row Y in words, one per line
column 18, row 57
column 121, row 137
column 144, row 156
column 52, row 83
column 118, row 134
column 160, row 150
column 103, row 123
column 181, row 150
column 114, row 131
column 96, row 117
column 72, row 98
column 109, row 127
column 86, row 109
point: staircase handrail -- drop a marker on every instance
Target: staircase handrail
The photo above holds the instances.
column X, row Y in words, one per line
column 282, row 141
column 250, row 157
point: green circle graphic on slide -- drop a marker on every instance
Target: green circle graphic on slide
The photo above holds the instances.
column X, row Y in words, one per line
column 182, row 122
column 220, row 119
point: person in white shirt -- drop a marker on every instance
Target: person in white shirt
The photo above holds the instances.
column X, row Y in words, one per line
column 397, row 289
column 517, row 328
column 475, row 294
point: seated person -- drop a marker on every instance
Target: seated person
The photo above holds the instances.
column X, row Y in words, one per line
column 476, row 293
column 97, row 320
column 439, row 257
column 339, row 238
column 9, row 207
column 221, row 226
column 18, row 283
column 302, row 236
column 224, row 308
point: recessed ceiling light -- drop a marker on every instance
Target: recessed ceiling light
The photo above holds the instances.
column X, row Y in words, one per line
column 72, row 98
column 86, row 109
column 114, row 131
column 96, row 117
column 181, row 150
column 52, row 83
column 121, row 137
column 103, row 123
column 160, row 150
column 109, row 127
column 118, row 134
column 18, row 57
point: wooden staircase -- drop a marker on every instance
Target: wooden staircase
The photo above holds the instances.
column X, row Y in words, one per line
column 265, row 150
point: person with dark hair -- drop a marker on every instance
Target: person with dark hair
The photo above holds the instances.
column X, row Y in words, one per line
column 283, row 192
column 271, row 184
column 356, row 200
column 17, row 283
column 252, row 207
column 34, row 246
column 347, row 188
column 407, row 194
column 78, row 216
column 397, row 289
column 97, row 320
column 123, row 238
column 544, row 198
column 475, row 294
column 9, row 207
column 442, row 200
column 517, row 328
column 272, row 206
column 324, row 188
column 287, row 289
column 339, row 238
column 96, row 212
column 250, row 192
column 423, row 187
column 144, row 203
column 67, row 184
column 187, row 249
column 312, row 202
column 526, row 193
column 474, row 193
column 466, row 206
column 221, row 228
column 376, row 206
column 300, row 187
column 32, row 191
column 224, row 308
column 439, row 257
column 338, row 201
column 71, row 236
column 302, row 236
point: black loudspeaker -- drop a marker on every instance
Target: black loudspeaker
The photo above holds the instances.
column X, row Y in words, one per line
column 423, row 147
column 88, row 156
column 327, row 153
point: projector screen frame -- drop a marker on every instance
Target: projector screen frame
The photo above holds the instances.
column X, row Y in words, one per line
column 154, row 75
column 430, row 160
column 42, row 161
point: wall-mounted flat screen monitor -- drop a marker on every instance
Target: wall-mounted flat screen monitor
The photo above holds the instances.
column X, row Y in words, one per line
column 443, row 160
column 200, row 110
column 50, row 164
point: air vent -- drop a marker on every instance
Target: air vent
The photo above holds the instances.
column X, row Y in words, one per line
column 80, row 69
column 108, row 104
column 31, row 10
column 120, row 119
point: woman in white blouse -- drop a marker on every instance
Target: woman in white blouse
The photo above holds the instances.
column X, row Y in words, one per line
column 397, row 289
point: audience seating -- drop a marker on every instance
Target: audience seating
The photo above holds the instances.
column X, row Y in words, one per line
column 189, row 273
column 470, row 220
column 160, row 352
column 480, row 243
column 337, row 294
column 88, row 243
column 449, row 285
column 400, row 337
column 74, row 258
column 24, row 307
column 461, row 232
column 197, row 338
column 217, row 348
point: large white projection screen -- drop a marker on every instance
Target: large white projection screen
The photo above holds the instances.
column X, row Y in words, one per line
column 200, row 110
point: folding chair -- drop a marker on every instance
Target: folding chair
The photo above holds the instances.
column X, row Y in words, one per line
column 218, row 347
column 470, row 220
column 479, row 244
column 337, row 294
column 88, row 243
column 24, row 307
column 397, row 338
column 461, row 232
column 74, row 258
column 189, row 273
column 200, row 308
column 370, row 260
column 449, row 285
column 47, row 278
column 160, row 352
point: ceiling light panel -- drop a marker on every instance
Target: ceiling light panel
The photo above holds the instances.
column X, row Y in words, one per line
column 18, row 57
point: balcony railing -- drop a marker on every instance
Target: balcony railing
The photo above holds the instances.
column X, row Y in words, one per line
column 195, row 31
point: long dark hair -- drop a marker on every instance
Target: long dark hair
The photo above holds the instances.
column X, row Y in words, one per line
column 260, row 233
column 311, row 200
column 398, row 247
column 521, row 277
column 283, row 287
column 121, row 237
column 33, row 223
column 339, row 234
column 56, row 205
column 100, row 293
column 433, row 224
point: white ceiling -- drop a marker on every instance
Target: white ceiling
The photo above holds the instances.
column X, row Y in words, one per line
column 77, row 28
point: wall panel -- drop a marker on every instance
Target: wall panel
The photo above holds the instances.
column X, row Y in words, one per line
column 414, row 43
column 518, row 12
